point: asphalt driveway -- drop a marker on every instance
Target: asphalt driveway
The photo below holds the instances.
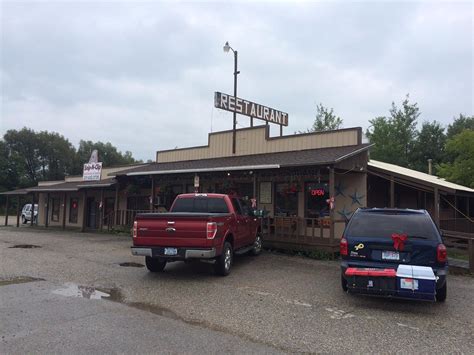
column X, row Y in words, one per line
column 269, row 303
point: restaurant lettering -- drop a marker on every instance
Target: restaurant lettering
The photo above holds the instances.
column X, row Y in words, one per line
column 249, row 108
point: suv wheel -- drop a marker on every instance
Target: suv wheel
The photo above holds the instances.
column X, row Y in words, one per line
column 257, row 245
column 442, row 292
column 155, row 264
column 344, row 283
column 224, row 261
column 23, row 220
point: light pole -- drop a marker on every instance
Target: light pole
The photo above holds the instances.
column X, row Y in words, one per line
column 226, row 49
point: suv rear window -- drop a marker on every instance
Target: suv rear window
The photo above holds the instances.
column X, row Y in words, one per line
column 200, row 205
column 367, row 224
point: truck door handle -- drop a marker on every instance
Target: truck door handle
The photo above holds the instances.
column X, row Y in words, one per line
column 171, row 230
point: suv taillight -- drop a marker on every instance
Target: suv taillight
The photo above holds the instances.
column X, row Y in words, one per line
column 135, row 224
column 211, row 230
column 441, row 253
column 343, row 247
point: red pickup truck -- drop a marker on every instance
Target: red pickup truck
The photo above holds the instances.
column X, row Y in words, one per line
column 198, row 226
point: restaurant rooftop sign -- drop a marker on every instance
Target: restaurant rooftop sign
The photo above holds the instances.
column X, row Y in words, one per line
column 249, row 108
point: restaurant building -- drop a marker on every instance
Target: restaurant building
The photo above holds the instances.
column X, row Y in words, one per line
column 307, row 186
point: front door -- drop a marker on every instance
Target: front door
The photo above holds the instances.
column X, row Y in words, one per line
column 92, row 213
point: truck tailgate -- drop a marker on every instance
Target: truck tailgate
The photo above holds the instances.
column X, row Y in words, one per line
column 173, row 229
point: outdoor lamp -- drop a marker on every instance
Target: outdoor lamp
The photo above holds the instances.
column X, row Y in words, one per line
column 226, row 47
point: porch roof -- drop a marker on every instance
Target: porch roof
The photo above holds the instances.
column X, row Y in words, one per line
column 416, row 177
column 307, row 157
column 63, row 187
column 15, row 192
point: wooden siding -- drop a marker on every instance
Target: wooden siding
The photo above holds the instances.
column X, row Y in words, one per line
column 256, row 141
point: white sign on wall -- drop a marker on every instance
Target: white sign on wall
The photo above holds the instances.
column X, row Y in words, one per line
column 92, row 171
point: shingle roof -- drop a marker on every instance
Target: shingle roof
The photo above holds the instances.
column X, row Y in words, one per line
column 255, row 162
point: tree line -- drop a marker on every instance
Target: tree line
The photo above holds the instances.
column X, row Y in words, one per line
column 400, row 140
column 27, row 157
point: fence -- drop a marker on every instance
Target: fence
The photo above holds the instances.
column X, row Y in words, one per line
column 297, row 233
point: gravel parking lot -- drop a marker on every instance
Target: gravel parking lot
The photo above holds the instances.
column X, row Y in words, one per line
column 282, row 303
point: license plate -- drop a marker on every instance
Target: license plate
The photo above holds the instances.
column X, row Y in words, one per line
column 409, row 284
column 390, row 255
column 171, row 251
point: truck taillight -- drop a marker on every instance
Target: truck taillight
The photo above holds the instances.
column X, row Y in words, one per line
column 135, row 224
column 211, row 230
column 441, row 253
column 343, row 247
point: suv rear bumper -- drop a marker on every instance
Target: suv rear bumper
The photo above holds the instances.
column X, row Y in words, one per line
column 440, row 272
column 182, row 253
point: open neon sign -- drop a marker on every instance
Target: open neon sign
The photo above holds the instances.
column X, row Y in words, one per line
column 317, row 192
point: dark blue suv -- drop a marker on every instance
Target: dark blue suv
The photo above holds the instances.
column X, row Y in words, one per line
column 382, row 238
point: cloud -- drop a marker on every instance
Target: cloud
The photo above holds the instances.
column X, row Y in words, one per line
column 142, row 75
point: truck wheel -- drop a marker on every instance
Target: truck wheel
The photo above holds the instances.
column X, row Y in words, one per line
column 442, row 292
column 224, row 261
column 257, row 245
column 155, row 264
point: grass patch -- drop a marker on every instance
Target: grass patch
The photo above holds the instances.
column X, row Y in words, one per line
column 314, row 254
column 457, row 254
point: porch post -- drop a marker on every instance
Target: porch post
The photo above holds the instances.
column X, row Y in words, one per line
column 84, row 210
column 436, row 206
column 18, row 211
column 152, row 194
column 64, row 210
column 32, row 209
column 6, row 211
column 116, row 204
column 255, row 186
column 46, row 211
column 331, row 194
column 102, row 209
column 392, row 192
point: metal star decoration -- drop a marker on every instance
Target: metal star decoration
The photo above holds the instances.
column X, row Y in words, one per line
column 345, row 213
column 356, row 198
column 340, row 189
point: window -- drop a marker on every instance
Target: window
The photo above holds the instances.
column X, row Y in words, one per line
column 73, row 210
column 316, row 196
column 55, row 206
column 200, row 205
column 286, row 200
column 236, row 205
column 383, row 225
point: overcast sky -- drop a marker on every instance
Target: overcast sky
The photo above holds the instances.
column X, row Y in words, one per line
column 143, row 75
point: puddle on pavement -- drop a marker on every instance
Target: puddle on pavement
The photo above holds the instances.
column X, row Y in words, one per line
column 25, row 246
column 91, row 293
column 131, row 264
column 18, row 280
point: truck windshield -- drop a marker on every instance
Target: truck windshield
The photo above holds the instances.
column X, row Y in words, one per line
column 200, row 205
column 414, row 225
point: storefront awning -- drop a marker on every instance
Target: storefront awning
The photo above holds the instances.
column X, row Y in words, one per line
column 309, row 157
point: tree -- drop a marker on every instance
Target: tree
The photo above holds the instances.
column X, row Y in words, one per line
column 394, row 136
column 461, row 170
column 429, row 144
column 10, row 169
column 42, row 156
column 108, row 155
column 56, row 155
column 23, row 146
column 460, row 123
column 325, row 120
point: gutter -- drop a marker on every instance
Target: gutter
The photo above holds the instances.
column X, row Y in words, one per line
column 182, row 171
